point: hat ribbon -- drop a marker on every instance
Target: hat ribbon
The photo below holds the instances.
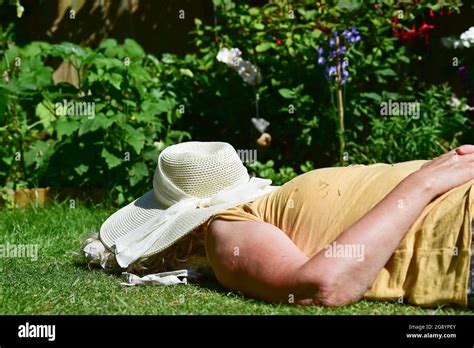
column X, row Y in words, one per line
column 134, row 244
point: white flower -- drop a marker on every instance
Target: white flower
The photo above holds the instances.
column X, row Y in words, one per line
column 468, row 35
column 247, row 71
column 456, row 104
column 466, row 40
column 230, row 57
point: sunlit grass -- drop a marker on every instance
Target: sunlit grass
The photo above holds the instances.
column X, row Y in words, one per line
column 59, row 282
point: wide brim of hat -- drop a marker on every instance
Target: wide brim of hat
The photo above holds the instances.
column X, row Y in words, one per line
column 147, row 207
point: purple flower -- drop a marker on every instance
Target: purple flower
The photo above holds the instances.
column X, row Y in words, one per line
column 355, row 31
column 344, row 76
column 331, row 70
column 342, row 51
column 352, row 35
column 354, row 39
column 345, row 72
column 347, row 34
column 355, row 36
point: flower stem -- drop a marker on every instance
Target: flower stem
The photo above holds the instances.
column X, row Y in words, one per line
column 257, row 98
column 340, row 105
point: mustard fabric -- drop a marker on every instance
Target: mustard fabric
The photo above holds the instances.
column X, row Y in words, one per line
column 430, row 266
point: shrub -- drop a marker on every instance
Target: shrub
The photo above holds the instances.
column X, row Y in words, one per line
column 105, row 132
column 300, row 102
column 141, row 104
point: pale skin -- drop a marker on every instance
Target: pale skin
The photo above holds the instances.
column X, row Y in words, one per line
column 269, row 266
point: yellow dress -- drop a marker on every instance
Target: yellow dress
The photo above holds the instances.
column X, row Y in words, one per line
column 431, row 265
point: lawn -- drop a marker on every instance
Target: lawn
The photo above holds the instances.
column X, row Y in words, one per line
column 59, row 282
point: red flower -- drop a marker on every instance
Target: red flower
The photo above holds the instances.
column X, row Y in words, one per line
column 432, row 15
column 278, row 41
column 424, row 27
column 411, row 34
column 424, row 30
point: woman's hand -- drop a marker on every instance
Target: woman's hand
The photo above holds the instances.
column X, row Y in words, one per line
column 449, row 170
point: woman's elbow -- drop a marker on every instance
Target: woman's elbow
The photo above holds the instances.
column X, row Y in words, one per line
column 326, row 290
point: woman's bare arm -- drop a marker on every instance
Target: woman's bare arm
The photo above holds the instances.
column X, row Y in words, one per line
column 261, row 261
column 255, row 258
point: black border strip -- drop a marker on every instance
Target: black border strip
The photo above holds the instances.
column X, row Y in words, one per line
column 134, row 331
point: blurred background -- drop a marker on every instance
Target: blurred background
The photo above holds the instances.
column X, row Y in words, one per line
column 93, row 90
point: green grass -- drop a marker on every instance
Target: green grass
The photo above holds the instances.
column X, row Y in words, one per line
column 59, row 282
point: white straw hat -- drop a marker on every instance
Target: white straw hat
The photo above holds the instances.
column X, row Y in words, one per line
column 192, row 182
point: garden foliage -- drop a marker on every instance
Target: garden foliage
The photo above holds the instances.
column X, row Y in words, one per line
column 142, row 104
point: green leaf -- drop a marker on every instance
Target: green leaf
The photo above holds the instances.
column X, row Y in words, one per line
column 139, row 73
column 404, row 59
column 108, row 63
column 269, row 8
column 65, row 126
column 386, row 72
column 39, row 152
column 263, row 46
column 116, row 79
column 134, row 49
column 168, row 58
column 349, row 5
column 254, row 11
column 159, row 106
column 134, row 137
column 138, row 171
column 81, row 169
column 286, row 93
column 372, row 95
column 92, row 124
column 45, row 112
column 36, row 48
column 112, row 160
column 186, row 72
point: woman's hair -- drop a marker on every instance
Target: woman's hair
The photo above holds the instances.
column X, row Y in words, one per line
column 188, row 252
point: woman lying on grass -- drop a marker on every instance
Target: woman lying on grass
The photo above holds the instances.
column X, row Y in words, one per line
column 328, row 237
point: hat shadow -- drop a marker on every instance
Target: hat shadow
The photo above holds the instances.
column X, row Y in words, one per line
column 149, row 201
